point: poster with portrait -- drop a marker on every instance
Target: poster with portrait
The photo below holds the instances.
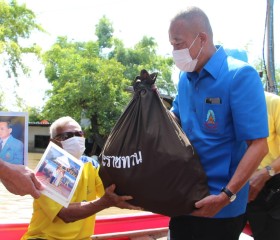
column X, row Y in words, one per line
column 14, row 137
column 60, row 172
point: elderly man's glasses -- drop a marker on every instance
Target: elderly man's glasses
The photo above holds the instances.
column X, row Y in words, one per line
column 66, row 135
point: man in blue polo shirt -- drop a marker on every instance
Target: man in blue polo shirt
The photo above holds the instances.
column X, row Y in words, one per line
column 221, row 107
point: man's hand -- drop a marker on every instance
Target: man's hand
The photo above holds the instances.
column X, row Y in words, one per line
column 20, row 180
column 114, row 200
column 257, row 182
column 210, row 205
column 80, row 210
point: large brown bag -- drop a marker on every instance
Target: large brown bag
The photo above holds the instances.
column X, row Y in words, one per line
column 148, row 156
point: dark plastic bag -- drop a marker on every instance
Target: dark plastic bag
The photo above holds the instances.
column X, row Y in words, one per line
column 148, row 156
column 269, row 196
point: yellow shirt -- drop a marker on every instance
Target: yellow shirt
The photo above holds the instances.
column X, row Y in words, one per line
column 46, row 225
column 273, row 111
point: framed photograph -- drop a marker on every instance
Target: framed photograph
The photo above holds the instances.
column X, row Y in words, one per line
column 60, row 172
column 14, row 137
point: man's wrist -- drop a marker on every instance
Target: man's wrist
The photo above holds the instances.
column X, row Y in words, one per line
column 231, row 196
column 270, row 170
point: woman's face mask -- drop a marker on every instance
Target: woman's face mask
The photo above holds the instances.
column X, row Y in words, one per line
column 75, row 146
column 183, row 59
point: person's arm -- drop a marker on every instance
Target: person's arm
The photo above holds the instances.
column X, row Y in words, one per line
column 276, row 165
column 77, row 211
column 251, row 160
column 260, row 177
column 19, row 179
column 210, row 205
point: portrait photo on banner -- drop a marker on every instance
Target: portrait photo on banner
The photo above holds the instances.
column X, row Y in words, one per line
column 14, row 137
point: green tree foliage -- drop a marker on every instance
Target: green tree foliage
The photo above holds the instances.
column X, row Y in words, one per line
column 90, row 79
column 260, row 67
column 104, row 32
column 84, row 83
column 16, row 23
column 2, row 107
column 144, row 56
column 277, row 77
column 34, row 114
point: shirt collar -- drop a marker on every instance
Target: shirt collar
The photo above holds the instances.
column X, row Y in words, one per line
column 4, row 141
column 215, row 63
column 213, row 66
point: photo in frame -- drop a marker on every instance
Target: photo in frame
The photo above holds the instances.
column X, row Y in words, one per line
column 60, row 172
column 14, row 137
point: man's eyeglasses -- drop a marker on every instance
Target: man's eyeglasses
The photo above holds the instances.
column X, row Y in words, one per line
column 66, row 135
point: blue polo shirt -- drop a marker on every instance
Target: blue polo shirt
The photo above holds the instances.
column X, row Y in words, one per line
column 220, row 108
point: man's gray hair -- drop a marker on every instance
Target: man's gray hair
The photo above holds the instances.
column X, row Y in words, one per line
column 60, row 124
column 197, row 20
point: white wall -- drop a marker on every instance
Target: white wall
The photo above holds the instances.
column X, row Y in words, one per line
column 36, row 130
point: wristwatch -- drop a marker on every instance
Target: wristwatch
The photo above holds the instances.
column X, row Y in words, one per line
column 231, row 196
column 270, row 170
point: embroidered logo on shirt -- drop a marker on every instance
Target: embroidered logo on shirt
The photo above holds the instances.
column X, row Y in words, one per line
column 210, row 122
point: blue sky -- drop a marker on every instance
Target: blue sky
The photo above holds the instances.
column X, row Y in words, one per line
column 236, row 24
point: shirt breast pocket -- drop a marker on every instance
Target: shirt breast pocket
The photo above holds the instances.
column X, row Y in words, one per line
column 213, row 118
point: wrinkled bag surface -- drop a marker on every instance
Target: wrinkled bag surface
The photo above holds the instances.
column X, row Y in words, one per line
column 148, row 156
column 269, row 196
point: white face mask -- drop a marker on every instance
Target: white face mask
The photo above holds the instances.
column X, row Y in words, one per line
column 183, row 59
column 75, row 146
